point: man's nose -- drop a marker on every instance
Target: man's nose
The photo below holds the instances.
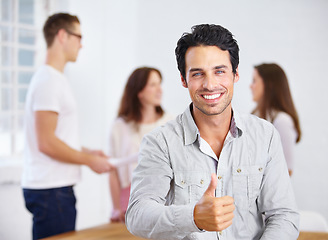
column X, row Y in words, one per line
column 210, row 82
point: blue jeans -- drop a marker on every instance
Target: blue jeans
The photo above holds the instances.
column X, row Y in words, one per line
column 53, row 210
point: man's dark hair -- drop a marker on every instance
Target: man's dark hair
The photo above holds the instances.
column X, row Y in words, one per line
column 56, row 22
column 207, row 35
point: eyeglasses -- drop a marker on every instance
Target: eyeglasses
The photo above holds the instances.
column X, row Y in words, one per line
column 74, row 34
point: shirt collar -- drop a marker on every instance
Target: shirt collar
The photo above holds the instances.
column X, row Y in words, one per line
column 189, row 126
column 191, row 131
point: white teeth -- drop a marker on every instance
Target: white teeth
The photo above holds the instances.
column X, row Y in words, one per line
column 211, row 96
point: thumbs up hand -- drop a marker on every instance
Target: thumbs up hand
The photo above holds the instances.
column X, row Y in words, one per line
column 212, row 213
column 210, row 191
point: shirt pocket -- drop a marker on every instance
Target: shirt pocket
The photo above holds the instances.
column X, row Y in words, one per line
column 246, row 184
column 190, row 186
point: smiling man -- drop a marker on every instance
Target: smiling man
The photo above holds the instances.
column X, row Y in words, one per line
column 212, row 173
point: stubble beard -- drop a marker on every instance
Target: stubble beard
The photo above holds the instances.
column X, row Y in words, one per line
column 218, row 112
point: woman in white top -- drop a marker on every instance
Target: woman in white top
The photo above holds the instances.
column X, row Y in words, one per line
column 140, row 112
column 274, row 103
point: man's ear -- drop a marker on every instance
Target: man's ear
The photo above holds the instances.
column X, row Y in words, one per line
column 183, row 82
column 236, row 77
column 61, row 35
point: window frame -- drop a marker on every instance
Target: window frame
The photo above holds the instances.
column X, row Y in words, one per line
column 15, row 113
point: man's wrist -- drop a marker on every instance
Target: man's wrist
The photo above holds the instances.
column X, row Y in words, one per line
column 85, row 158
column 193, row 217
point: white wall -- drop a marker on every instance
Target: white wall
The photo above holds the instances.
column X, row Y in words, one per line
column 98, row 78
column 119, row 36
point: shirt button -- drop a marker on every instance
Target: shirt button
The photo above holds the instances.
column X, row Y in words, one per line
column 220, row 232
column 202, row 181
column 219, row 177
column 238, row 170
column 183, row 182
column 260, row 169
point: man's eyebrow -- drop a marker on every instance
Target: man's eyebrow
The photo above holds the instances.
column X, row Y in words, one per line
column 220, row 67
column 216, row 67
column 195, row 69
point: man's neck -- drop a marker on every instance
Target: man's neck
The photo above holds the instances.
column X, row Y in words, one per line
column 56, row 59
column 213, row 129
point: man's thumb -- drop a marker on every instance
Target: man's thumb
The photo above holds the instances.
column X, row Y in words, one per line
column 210, row 191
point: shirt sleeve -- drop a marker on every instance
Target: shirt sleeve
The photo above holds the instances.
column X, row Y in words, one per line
column 123, row 161
column 118, row 135
column 114, row 138
column 285, row 126
column 47, row 95
column 276, row 200
column 148, row 214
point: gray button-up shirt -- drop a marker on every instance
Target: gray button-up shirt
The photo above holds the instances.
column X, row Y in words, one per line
column 174, row 170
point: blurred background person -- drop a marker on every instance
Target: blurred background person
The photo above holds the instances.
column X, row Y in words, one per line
column 53, row 154
column 271, row 92
column 140, row 112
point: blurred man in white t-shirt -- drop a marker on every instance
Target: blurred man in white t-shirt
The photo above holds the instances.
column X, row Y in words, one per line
column 53, row 154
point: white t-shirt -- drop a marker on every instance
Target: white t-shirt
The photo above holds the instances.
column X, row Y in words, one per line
column 49, row 90
column 124, row 143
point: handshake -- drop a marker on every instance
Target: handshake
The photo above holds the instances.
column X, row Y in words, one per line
column 99, row 162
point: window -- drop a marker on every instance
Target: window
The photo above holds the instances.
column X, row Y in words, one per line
column 18, row 34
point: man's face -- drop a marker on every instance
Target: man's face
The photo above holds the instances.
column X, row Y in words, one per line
column 210, row 79
column 73, row 43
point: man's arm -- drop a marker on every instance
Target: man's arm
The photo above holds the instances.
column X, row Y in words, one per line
column 51, row 145
column 151, row 212
column 277, row 200
column 147, row 215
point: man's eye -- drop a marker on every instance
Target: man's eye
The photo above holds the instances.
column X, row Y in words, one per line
column 219, row 72
column 197, row 74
